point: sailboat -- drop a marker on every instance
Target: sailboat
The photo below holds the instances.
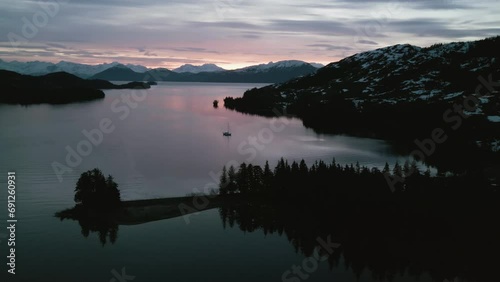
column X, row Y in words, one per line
column 227, row 133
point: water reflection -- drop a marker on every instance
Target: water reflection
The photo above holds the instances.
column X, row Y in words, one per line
column 378, row 242
column 105, row 226
column 105, row 229
column 375, row 238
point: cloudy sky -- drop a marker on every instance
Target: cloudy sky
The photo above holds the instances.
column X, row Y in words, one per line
column 231, row 33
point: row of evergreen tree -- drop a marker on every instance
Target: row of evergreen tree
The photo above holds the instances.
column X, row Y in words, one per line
column 289, row 178
column 322, row 179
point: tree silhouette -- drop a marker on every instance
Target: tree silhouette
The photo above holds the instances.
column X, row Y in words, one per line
column 94, row 190
column 386, row 169
column 267, row 177
column 398, row 170
column 231, row 175
column 242, row 179
column 223, row 182
column 407, row 169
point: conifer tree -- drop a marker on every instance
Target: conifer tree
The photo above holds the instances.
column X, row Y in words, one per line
column 231, row 178
column 386, row 169
column 406, row 169
column 223, row 184
column 397, row 170
column 267, row 177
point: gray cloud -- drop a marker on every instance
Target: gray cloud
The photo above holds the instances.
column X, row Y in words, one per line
column 313, row 26
column 428, row 27
column 250, row 36
column 223, row 24
column 367, row 42
column 413, row 4
column 192, row 50
column 441, row 5
column 330, row 47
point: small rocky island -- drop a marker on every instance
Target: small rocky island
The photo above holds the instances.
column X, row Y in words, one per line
column 55, row 88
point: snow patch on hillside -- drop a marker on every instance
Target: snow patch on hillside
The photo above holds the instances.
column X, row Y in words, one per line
column 494, row 118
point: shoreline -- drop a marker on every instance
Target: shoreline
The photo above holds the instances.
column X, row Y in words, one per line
column 136, row 212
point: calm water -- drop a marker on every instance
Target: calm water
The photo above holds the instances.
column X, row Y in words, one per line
column 170, row 144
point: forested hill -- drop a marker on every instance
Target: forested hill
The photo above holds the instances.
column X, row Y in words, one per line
column 54, row 88
column 400, row 93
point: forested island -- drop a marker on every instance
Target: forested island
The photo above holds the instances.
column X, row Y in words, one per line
column 55, row 88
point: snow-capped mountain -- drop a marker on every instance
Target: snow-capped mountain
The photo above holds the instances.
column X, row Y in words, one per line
column 275, row 65
column 317, row 65
column 255, row 68
column 265, row 73
column 32, row 68
column 404, row 73
column 81, row 70
column 197, row 69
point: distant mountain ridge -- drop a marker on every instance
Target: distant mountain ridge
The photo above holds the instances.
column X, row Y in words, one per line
column 81, row 70
column 119, row 73
column 280, row 64
column 264, row 73
column 197, row 69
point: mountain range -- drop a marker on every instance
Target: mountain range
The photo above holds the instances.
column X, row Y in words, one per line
column 265, row 73
column 80, row 70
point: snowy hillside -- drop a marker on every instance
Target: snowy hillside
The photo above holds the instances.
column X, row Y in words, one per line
column 405, row 73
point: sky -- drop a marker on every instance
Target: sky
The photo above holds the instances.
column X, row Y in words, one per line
column 231, row 33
